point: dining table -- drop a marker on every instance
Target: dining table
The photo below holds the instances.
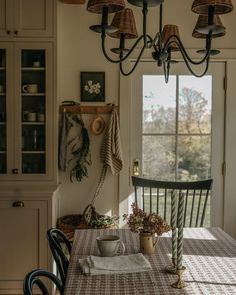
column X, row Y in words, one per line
column 209, row 256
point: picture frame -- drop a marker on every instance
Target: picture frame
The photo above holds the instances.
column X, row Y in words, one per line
column 92, row 86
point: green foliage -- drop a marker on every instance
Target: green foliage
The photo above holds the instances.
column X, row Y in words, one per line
column 81, row 153
column 192, row 161
column 103, row 221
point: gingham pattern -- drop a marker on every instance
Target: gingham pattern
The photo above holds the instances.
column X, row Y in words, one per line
column 209, row 258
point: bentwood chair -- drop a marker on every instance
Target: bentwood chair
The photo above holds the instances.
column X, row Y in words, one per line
column 155, row 196
column 57, row 239
column 35, row 278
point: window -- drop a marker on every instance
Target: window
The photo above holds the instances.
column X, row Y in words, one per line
column 176, row 128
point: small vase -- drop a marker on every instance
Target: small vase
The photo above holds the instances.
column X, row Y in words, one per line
column 148, row 242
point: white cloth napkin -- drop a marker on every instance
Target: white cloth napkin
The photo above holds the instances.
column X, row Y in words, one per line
column 96, row 265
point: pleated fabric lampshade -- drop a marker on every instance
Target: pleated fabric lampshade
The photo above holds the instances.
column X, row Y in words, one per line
column 167, row 31
column 202, row 22
column 96, row 6
column 125, row 22
column 220, row 6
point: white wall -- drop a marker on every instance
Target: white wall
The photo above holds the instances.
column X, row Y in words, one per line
column 79, row 50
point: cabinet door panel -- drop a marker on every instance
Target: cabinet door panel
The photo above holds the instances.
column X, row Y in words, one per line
column 6, row 18
column 23, row 244
column 34, row 18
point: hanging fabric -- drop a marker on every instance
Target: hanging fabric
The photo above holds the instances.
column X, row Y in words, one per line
column 111, row 156
column 111, row 153
column 64, row 128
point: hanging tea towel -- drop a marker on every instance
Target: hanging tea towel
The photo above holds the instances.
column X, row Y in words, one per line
column 111, row 156
column 111, row 153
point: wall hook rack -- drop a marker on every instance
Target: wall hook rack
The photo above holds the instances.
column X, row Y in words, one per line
column 85, row 109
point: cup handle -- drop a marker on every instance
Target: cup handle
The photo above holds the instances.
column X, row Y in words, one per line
column 155, row 238
column 122, row 248
column 25, row 88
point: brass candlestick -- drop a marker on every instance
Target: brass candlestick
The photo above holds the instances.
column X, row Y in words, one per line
column 179, row 284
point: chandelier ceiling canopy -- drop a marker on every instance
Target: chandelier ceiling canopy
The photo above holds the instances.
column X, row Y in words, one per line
column 166, row 40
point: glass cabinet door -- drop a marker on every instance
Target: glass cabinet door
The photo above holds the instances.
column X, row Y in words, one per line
column 27, row 112
column 3, row 145
column 33, row 111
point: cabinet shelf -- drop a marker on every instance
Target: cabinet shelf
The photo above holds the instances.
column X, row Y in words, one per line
column 2, row 93
column 33, row 69
column 33, row 123
column 33, row 152
column 2, row 68
column 33, row 94
column 3, row 152
column 2, row 123
column 85, row 109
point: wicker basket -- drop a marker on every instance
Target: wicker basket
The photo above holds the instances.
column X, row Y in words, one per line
column 69, row 223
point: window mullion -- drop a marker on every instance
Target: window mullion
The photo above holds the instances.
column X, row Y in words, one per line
column 177, row 128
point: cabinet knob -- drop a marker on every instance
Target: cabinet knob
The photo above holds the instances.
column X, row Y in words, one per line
column 15, row 171
column 18, row 204
column 16, row 32
column 8, row 32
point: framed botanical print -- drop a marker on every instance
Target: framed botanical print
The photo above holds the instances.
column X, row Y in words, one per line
column 92, row 86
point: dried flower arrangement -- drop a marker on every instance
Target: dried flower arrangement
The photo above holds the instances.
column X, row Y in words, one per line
column 141, row 222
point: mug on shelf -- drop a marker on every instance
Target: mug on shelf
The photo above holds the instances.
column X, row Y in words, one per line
column 36, row 64
column 30, row 88
column 41, row 117
column 30, row 116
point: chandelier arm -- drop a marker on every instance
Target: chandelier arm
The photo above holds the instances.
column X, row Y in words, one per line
column 154, row 41
column 135, row 44
column 184, row 52
column 135, row 65
column 128, row 54
column 191, row 70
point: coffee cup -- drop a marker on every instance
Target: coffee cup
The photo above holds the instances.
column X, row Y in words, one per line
column 36, row 64
column 109, row 245
column 1, row 88
column 41, row 117
column 30, row 88
column 30, row 116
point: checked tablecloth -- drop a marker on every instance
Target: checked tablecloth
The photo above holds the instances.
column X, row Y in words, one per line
column 209, row 258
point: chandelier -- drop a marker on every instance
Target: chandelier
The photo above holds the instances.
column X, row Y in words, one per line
column 167, row 40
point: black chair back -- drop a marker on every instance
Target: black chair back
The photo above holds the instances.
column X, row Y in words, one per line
column 56, row 240
column 35, row 278
column 156, row 197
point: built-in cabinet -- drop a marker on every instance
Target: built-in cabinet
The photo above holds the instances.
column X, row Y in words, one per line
column 26, row 18
column 28, row 138
column 26, row 107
